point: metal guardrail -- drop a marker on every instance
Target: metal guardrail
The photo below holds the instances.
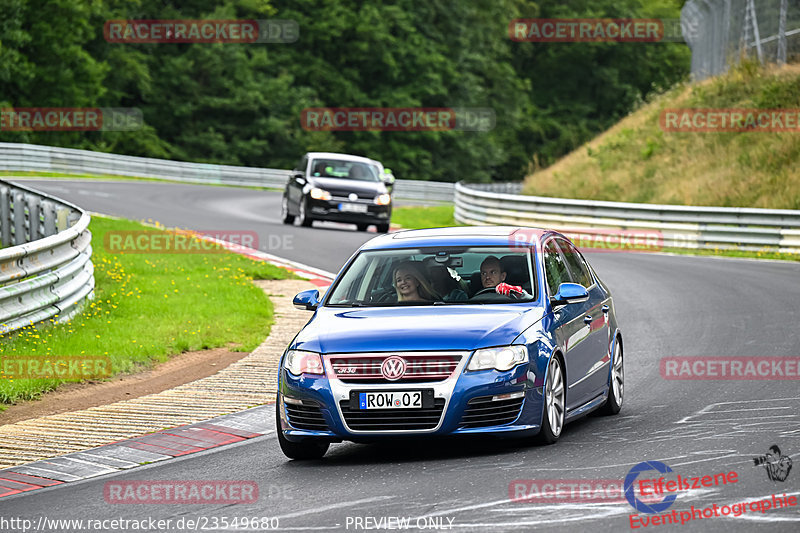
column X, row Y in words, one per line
column 46, row 270
column 676, row 226
column 31, row 157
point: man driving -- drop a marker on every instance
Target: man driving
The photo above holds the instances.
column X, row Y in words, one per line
column 493, row 276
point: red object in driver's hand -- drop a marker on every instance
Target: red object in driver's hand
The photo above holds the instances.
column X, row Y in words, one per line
column 505, row 289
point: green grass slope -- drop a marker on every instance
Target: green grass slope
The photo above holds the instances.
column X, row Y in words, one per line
column 635, row 161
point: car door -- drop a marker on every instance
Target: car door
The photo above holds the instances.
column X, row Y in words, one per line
column 570, row 329
column 596, row 317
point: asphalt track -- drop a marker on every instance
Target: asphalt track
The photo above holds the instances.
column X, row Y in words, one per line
column 666, row 306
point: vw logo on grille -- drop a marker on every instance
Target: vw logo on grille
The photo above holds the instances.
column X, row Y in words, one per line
column 393, row 368
column 353, row 197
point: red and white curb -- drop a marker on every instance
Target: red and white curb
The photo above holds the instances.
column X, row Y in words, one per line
column 130, row 453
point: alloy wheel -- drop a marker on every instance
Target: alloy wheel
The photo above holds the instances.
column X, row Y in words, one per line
column 554, row 397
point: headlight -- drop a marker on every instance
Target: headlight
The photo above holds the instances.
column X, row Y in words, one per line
column 383, row 199
column 502, row 358
column 320, row 194
column 300, row 362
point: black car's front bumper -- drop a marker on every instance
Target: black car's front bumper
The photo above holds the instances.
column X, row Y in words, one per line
column 333, row 210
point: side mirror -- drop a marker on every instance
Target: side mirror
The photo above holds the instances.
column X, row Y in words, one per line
column 300, row 177
column 388, row 177
column 570, row 293
column 307, row 300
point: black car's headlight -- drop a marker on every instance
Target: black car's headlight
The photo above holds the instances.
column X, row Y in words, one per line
column 383, row 199
column 299, row 362
column 501, row 358
column 319, row 194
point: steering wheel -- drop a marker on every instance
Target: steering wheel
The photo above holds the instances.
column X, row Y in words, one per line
column 483, row 291
column 513, row 294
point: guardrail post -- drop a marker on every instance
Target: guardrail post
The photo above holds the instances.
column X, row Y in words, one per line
column 18, row 216
column 5, row 216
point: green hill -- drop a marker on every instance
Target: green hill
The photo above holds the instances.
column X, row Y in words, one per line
column 636, row 161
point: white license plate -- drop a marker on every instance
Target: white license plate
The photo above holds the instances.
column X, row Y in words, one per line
column 390, row 400
column 353, row 208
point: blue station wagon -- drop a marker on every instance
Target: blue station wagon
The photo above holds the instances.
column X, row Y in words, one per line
column 451, row 331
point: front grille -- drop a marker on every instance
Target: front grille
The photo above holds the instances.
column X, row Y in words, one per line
column 367, row 369
column 362, row 198
column 483, row 412
column 305, row 416
column 392, row 419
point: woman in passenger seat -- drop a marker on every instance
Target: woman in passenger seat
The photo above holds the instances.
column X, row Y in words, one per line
column 411, row 285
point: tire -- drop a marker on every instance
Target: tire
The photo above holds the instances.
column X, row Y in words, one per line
column 305, row 220
column 555, row 401
column 382, row 228
column 616, row 385
column 361, row 227
column 310, row 449
column 286, row 218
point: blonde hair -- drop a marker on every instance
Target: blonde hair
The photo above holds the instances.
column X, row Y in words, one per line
column 425, row 290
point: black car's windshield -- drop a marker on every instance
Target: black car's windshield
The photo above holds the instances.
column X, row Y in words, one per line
column 434, row 276
column 337, row 168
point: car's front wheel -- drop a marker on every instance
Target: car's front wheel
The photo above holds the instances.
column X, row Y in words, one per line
column 554, row 403
column 305, row 220
column 308, row 449
column 286, row 218
column 616, row 386
column 382, row 228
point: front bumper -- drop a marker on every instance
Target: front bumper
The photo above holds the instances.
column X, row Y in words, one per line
column 332, row 210
column 485, row 402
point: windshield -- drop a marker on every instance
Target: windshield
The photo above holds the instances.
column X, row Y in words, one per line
column 337, row 168
column 434, row 276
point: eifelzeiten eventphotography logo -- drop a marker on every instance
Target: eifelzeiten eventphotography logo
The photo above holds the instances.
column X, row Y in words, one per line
column 775, row 463
column 667, row 486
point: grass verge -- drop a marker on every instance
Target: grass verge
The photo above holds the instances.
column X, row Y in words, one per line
column 148, row 307
column 424, row 217
column 637, row 161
